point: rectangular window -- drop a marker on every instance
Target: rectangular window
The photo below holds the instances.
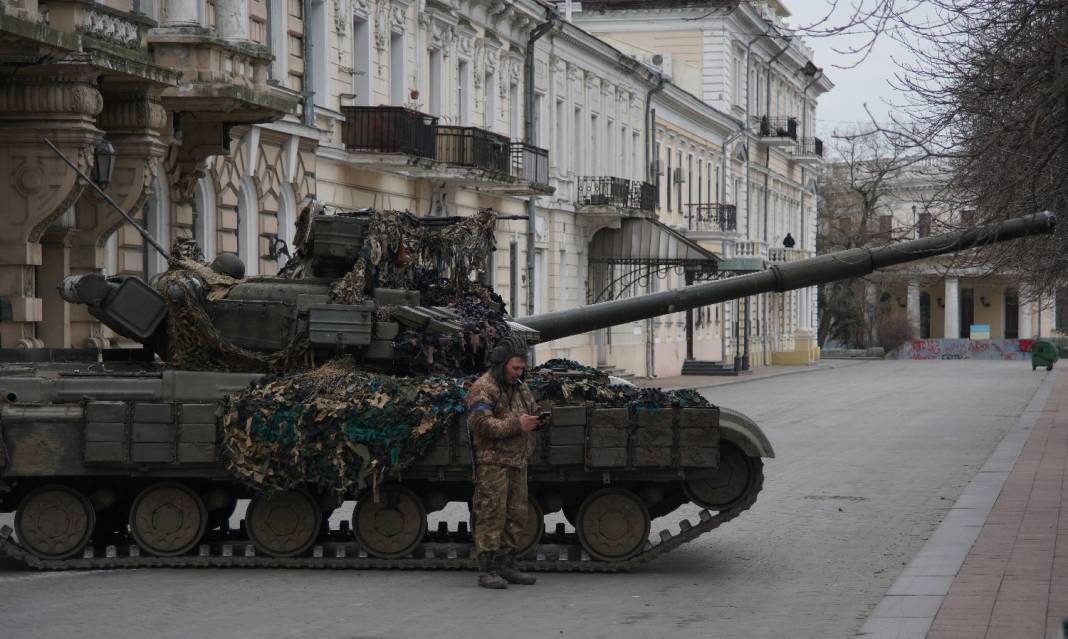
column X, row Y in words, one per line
column 576, row 149
column 317, row 29
column 657, row 170
column 513, row 111
column 923, row 226
column 593, row 153
column 463, row 92
column 397, row 83
column 636, row 151
column 536, row 134
column 700, row 181
column 1012, row 314
column 361, row 62
column 561, row 136
column 434, row 83
column 489, row 106
column 609, row 151
column 967, row 218
column 689, row 180
column 670, row 176
column 678, row 184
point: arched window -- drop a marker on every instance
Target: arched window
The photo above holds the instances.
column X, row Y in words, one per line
column 248, row 227
column 287, row 219
column 157, row 218
column 204, row 225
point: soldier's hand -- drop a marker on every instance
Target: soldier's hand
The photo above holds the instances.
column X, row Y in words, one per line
column 528, row 422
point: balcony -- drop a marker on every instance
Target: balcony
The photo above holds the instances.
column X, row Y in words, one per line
column 530, row 164
column 467, row 146
column 779, row 255
column 389, row 130
column 778, row 132
column 401, row 141
column 610, row 194
column 808, row 152
column 712, row 218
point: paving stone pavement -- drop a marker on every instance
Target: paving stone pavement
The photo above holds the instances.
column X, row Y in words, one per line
column 997, row 566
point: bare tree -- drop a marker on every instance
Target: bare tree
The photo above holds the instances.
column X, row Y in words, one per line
column 988, row 95
column 856, row 210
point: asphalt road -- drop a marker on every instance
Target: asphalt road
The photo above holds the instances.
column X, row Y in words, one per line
column 870, row 456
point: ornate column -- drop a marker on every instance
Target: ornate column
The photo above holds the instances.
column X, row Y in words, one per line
column 951, row 320
column 36, row 187
column 182, row 13
column 231, row 20
column 912, row 309
column 132, row 119
column 1025, row 306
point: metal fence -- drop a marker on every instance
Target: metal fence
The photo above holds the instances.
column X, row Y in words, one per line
column 619, row 192
column 778, row 127
column 387, row 129
column 713, row 217
column 530, row 163
column 809, row 146
column 474, row 147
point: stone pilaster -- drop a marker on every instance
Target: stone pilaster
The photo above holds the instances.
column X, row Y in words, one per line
column 36, row 187
column 952, row 311
column 132, row 120
column 912, row 309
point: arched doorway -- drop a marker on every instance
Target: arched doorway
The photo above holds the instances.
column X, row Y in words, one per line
column 157, row 218
column 204, row 217
column 248, row 227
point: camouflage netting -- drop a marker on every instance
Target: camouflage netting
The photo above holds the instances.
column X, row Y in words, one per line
column 192, row 342
column 340, row 430
column 334, row 427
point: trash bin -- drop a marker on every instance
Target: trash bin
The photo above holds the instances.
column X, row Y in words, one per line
column 1043, row 354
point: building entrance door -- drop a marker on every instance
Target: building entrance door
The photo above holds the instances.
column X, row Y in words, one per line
column 967, row 312
column 1012, row 314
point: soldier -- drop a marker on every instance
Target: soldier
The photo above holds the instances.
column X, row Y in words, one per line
column 501, row 418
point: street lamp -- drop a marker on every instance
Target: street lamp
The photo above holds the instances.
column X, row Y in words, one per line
column 103, row 163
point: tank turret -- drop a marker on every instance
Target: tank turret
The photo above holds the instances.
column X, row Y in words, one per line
column 367, row 283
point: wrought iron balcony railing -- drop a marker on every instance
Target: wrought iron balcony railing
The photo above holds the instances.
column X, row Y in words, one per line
column 778, row 127
column 713, row 217
column 809, row 146
column 474, row 147
column 618, row 192
column 389, row 129
column 530, row 163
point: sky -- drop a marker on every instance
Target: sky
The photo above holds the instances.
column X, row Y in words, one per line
column 867, row 83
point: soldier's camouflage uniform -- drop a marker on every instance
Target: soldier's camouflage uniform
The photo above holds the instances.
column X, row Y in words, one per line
column 502, row 449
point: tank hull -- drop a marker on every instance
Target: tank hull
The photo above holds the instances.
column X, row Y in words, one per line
column 139, row 433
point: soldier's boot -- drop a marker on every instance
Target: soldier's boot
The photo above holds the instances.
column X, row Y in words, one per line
column 506, row 568
column 487, row 572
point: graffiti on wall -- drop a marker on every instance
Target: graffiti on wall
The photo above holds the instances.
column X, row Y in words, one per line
column 992, row 349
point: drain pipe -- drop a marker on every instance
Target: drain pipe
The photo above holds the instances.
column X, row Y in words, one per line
column 308, row 95
column 650, row 125
column 528, row 135
column 649, row 140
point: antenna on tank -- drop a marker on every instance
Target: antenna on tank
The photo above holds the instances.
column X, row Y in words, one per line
column 107, row 198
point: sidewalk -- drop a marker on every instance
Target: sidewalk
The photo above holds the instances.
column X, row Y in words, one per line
column 997, row 566
column 707, row 381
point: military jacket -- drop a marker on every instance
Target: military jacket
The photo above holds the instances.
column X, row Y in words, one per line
column 493, row 418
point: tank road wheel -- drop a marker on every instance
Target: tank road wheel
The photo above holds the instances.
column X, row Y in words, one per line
column 613, row 524
column 737, row 474
column 168, row 519
column 55, row 521
column 391, row 528
column 533, row 528
column 283, row 524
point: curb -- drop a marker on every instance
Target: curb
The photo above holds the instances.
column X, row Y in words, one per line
column 908, row 608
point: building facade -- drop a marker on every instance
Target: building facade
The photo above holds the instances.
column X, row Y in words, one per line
column 938, row 299
column 612, row 177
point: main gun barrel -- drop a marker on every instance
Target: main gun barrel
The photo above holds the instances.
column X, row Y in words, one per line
column 782, row 277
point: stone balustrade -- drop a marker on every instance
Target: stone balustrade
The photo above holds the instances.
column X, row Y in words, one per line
column 97, row 21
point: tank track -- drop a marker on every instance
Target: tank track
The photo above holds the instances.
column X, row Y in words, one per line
column 562, row 554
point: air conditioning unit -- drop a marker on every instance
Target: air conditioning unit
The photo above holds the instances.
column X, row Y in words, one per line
column 662, row 63
column 679, row 177
column 656, row 167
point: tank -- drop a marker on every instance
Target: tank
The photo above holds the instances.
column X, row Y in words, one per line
column 138, row 457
